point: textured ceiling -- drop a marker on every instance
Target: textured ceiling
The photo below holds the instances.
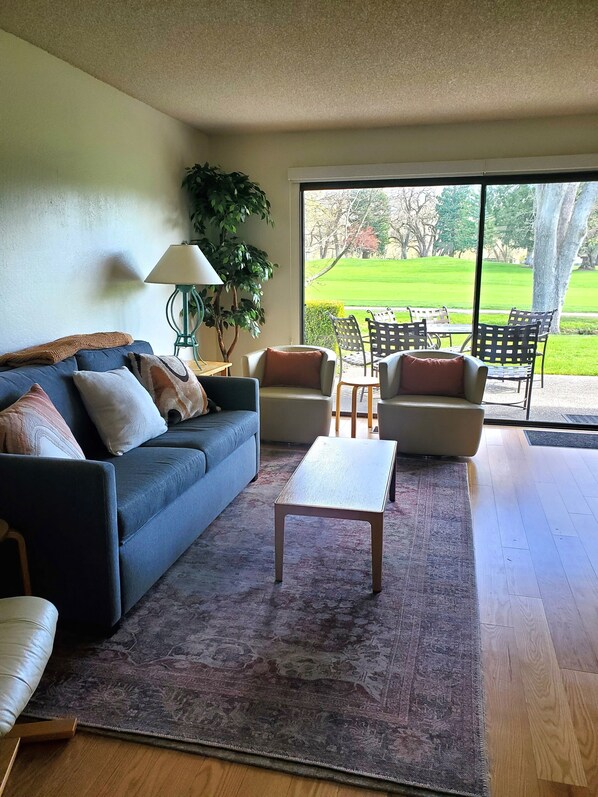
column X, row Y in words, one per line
column 253, row 65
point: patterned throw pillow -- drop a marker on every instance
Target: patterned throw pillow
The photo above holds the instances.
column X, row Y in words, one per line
column 174, row 389
column 33, row 425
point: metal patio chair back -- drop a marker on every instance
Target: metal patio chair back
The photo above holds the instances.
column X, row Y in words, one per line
column 509, row 351
column 387, row 339
column 349, row 340
column 433, row 315
column 544, row 318
column 386, row 316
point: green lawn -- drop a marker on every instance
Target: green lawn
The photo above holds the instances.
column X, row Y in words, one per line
column 430, row 281
column 436, row 281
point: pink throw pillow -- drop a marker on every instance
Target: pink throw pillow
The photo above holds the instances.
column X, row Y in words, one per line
column 292, row 369
column 432, row 376
column 33, row 425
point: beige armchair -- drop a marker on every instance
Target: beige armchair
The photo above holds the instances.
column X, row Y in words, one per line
column 293, row 414
column 435, row 425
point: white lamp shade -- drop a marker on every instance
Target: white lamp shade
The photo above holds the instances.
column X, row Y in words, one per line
column 183, row 264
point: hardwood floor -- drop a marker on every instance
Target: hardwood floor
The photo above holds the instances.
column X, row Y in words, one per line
column 535, row 516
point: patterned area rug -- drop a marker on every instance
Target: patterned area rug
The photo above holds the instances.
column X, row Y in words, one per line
column 315, row 675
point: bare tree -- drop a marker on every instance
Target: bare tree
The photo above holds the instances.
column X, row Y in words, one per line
column 325, row 213
column 562, row 213
column 342, row 216
column 413, row 219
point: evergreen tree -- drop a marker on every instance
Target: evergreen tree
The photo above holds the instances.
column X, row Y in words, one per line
column 457, row 227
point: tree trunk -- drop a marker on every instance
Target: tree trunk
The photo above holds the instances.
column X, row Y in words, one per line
column 549, row 200
column 577, row 227
column 561, row 225
column 405, row 247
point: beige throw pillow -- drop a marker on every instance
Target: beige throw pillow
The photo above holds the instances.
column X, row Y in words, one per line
column 173, row 387
column 33, row 425
column 122, row 410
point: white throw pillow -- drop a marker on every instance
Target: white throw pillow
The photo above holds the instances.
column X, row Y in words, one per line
column 120, row 407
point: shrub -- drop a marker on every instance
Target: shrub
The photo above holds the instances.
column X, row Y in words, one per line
column 316, row 324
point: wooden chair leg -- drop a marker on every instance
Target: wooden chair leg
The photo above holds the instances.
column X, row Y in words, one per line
column 338, row 405
column 24, row 562
column 8, row 753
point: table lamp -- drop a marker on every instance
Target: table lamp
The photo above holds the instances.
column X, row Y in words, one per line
column 185, row 266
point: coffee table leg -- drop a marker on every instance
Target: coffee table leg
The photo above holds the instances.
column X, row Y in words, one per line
column 377, row 524
column 393, row 482
column 279, row 516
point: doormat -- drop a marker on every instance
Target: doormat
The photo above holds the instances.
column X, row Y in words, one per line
column 535, row 437
column 587, row 419
column 313, row 676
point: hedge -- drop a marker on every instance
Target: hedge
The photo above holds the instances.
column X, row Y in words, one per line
column 316, row 324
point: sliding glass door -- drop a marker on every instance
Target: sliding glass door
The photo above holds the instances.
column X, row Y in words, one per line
column 540, row 265
column 407, row 251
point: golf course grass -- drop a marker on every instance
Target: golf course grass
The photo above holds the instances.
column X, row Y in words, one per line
column 437, row 281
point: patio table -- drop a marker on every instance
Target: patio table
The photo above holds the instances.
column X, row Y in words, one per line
column 452, row 329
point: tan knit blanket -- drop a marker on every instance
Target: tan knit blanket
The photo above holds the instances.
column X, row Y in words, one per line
column 57, row 350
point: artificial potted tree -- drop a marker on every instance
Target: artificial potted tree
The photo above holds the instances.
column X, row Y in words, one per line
column 219, row 203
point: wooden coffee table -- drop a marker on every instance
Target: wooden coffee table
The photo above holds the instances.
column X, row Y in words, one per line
column 342, row 478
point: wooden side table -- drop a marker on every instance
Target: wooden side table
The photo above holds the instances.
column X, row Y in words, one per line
column 356, row 382
column 211, row 367
column 6, row 533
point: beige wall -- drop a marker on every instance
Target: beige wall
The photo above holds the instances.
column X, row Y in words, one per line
column 90, row 196
column 268, row 157
column 89, row 200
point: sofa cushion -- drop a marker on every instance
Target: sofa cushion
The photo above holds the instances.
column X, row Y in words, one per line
column 217, row 435
column 57, row 382
column 109, row 359
column 148, row 479
column 33, row 425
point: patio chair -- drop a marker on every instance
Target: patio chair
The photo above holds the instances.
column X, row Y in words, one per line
column 351, row 347
column 544, row 317
column 386, row 316
column 510, row 354
column 433, row 315
column 387, row 339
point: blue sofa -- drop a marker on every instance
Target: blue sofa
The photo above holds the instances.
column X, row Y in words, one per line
column 100, row 532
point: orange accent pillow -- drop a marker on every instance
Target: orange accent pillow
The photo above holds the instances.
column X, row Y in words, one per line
column 432, row 376
column 292, row 369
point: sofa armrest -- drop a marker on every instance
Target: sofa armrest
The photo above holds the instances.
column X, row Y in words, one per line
column 389, row 373
column 474, row 379
column 66, row 511
column 232, row 392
